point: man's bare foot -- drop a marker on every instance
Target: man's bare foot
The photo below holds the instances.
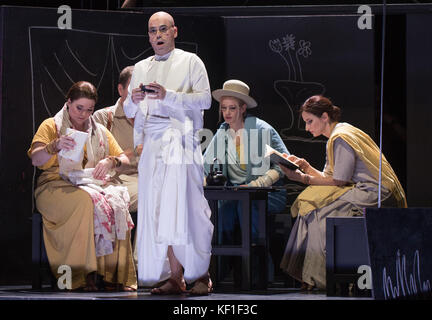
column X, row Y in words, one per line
column 202, row 287
column 172, row 286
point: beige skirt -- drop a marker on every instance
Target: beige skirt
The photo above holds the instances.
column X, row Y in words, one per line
column 68, row 232
column 305, row 253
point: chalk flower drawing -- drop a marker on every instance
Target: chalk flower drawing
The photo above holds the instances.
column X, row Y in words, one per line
column 289, row 42
column 294, row 90
column 276, row 45
column 304, row 49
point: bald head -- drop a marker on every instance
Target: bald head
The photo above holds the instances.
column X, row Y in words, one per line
column 162, row 32
column 162, row 15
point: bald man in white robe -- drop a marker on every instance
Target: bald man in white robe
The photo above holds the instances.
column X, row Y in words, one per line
column 174, row 229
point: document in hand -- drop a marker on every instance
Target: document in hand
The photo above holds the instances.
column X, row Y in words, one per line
column 277, row 158
column 80, row 139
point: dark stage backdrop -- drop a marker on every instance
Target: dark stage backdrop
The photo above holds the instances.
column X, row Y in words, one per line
column 286, row 59
column 419, row 108
column 39, row 64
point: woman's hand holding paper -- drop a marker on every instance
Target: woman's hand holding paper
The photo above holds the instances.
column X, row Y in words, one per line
column 65, row 142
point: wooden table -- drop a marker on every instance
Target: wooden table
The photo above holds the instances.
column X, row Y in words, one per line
column 246, row 195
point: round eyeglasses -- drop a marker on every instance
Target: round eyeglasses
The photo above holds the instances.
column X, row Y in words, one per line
column 162, row 29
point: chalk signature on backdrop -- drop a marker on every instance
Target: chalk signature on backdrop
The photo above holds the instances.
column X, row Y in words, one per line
column 405, row 286
column 294, row 90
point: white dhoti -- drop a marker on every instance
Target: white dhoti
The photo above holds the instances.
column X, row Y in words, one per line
column 172, row 209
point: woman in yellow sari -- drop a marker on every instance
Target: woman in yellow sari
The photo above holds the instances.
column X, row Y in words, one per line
column 86, row 221
column 347, row 185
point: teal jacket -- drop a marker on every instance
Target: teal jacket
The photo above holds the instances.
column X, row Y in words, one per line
column 259, row 133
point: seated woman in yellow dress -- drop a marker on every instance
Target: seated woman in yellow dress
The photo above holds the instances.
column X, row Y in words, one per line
column 86, row 221
column 347, row 185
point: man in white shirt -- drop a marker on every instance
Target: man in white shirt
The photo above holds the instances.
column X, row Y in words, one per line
column 174, row 227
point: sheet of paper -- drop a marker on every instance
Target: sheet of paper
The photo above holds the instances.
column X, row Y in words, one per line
column 269, row 151
column 80, row 139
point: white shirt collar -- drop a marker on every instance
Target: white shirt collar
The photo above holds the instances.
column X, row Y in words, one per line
column 164, row 57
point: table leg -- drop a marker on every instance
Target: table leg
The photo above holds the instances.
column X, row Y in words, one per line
column 246, row 243
column 261, row 246
column 214, row 265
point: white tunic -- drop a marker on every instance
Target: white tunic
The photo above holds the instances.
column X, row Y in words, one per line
column 172, row 209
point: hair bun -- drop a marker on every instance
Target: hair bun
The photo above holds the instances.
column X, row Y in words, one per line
column 336, row 113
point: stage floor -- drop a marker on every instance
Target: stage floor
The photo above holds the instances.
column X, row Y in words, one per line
column 26, row 293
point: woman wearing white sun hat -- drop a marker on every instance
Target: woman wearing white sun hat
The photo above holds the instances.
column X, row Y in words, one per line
column 243, row 138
